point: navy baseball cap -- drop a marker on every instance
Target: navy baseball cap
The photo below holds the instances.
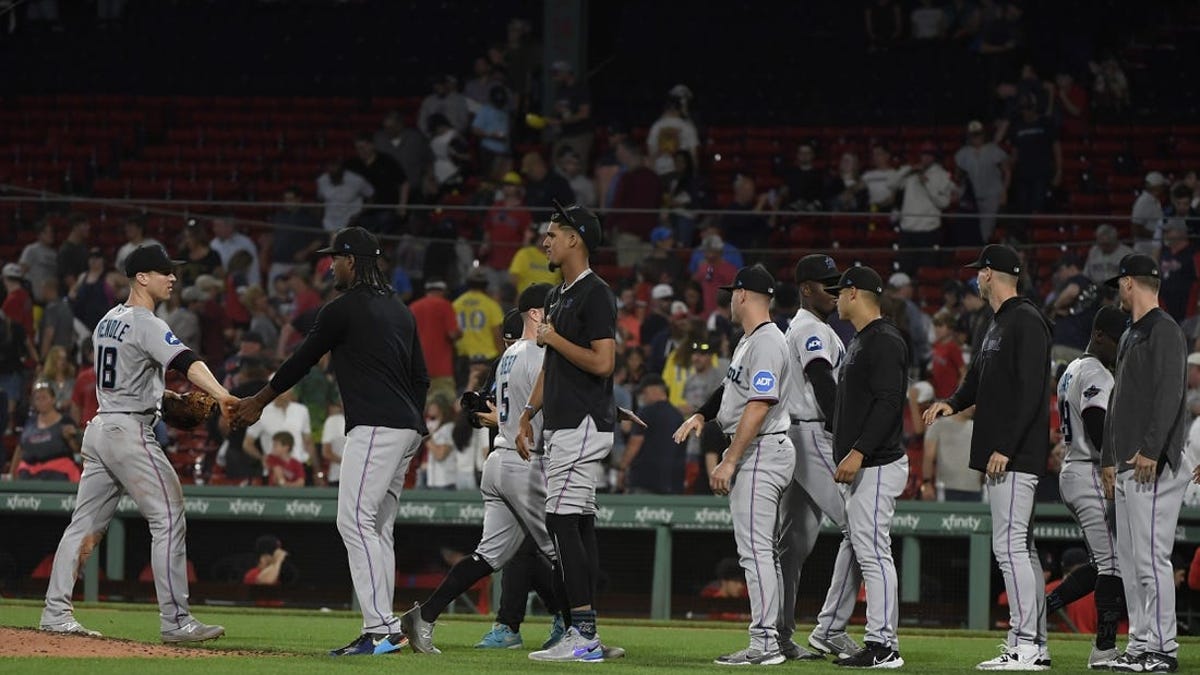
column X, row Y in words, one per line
column 353, row 241
column 754, row 278
column 513, row 325
column 862, row 278
column 533, row 297
column 817, row 267
column 581, row 220
column 998, row 257
column 651, row 380
column 1134, row 265
column 1110, row 321
column 150, row 258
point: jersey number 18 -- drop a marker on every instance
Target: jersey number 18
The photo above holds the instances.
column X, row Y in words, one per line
column 106, row 365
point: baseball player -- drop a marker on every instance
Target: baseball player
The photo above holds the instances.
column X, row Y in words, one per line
column 1142, row 464
column 1009, row 379
column 869, row 451
column 133, row 347
column 1083, row 393
column 574, row 393
column 810, row 397
column 381, row 375
column 513, row 486
column 760, row 460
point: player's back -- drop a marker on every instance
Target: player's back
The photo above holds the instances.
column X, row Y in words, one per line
column 1086, row 383
column 515, row 376
column 133, row 347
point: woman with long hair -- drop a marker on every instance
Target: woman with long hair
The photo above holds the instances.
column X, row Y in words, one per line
column 441, row 466
column 60, row 373
column 48, row 442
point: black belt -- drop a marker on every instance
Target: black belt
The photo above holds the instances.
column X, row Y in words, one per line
column 797, row 420
column 729, row 437
column 151, row 413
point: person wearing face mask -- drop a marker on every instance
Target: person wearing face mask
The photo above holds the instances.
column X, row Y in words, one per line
column 440, row 464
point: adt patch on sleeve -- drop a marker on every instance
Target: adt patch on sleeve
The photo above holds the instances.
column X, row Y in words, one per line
column 170, row 339
column 814, row 344
column 764, row 381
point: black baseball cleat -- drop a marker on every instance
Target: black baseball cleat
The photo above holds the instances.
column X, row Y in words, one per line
column 872, row 655
column 1147, row 662
column 372, row 644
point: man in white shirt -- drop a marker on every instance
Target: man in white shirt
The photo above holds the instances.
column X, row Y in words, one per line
column 881, row 180
column 284, row 414
column 1104, row 258
column 135, row 233
column 1147, row 215
column 333, row 440
column 40, row 258
column 227, row 241
column 343, row 193
column 927, row 190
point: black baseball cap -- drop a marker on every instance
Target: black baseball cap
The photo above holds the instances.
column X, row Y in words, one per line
column 513, row 326
column 862, row 278
column 581, row 220
column 998, row 257
column 817, row 267
column 533, row 297
column 705, row 347
column 353, row 241
column 1110, row 321
column 754, row 278
column 150, row 258
column 651, row 380
column 1134, row 265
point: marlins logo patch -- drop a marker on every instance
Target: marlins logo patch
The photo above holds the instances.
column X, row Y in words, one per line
column 764, row 381
column 170, row 339
column 814, row 344
column 1091, row 391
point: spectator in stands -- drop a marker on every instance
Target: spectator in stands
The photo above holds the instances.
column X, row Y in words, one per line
column 227, row 241
column 928, row 22
column 449, row 150
column 1037, row 160
column 305, row 300
column 705, row 377
column 881, row 180
column 447, row 102
column 441, row 464
column 1180, row 212
column 506, row 224
column 215, row 323
column 543, row 187
column 663, row 253
column 900, row 286
column 530, row 265
column 283, row 414
column 39, row 259
column 264, row 319
column 283, row 469
column 653, row 463
column 438, row 330
column 1104, row 257
column 983, row 170
column 630, row 312
column 664, row 343
column 656, row 321
column 679, row 367
column 846, row 191
column 389, row 186
column 480, row 319
column 135, row 236
column 243, row 461
column 638, row 187
column 927, row 190
column 945, row 474
column 48, row 442
column 198, row 255
column 181, row 313
column 1110, row 85
column 72, row 254
column 250, row 348
column 571, row 169
column 14, row 349
column 750, row 226
column 271, row 555
column 477, row 88
column 572, row 116
column 84, row 403
column 343, row 193
column 1177, row 266
column 18, row 303
column 59, row 372
column 730, row 253
column 946, row 364
column 1071, row 306
column 57, row 325
column 491, row 126
column 1147, row 215
column 803, row 184
column 999, row 31
column 333, row 440
column 408, row 146
column 883, row 24
column 672, row 132
column 1070, row 103
column 295, row 237
column 973, row 323
column 714, row 272
column 682, row 198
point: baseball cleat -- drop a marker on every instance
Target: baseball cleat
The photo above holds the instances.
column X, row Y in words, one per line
column 500, row 637
column 372, row 644
column 751, row 657
column 794, row 652
column 840, row 645
column 1043, row 658
column 418, row 630
column 192, row 631
column 1102, row 659
column 1019, row 658
column 1147, row 662
column 557, row 629
column 572, row 647
column 71, row 627
column 873, row 655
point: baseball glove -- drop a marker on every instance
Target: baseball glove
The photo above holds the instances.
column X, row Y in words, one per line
column 189, row 410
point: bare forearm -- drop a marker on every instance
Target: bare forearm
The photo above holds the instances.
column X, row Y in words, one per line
column 199, row 375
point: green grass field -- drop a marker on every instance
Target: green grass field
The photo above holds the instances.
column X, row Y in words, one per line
column 296, row 642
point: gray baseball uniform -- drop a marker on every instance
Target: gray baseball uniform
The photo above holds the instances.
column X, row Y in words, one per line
column 121, row 455
column 759, row 371
column 812, row 490
column 514, row 490
column 1086, row 384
